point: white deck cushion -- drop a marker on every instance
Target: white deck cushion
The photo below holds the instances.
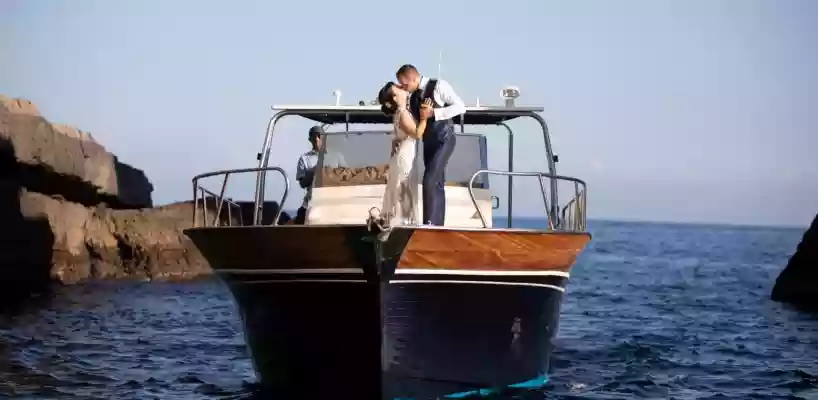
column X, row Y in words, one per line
column 348, row 205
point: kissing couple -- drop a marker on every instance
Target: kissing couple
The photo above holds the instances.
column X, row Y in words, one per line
column 423, row 109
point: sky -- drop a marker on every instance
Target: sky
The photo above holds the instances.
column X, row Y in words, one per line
column 686, row 111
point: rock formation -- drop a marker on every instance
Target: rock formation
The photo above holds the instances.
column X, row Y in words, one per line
column 798, row 282
column 72, row 211
column 56, row 159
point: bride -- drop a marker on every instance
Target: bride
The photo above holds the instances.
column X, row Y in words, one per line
column 400, row 200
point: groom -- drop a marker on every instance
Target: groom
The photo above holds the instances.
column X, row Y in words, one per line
column 439, row 137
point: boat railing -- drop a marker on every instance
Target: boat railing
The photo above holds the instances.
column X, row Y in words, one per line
column 202, row 202
column 221, row 200
column 573, row 213
column 572, row 217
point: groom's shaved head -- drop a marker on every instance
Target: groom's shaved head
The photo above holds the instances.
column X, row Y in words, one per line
column 405, row 69
column 408, row 77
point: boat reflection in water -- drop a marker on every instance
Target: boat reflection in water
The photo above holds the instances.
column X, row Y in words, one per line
column 336, row 309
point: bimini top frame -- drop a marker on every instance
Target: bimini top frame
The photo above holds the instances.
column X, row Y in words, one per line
column 363, row 114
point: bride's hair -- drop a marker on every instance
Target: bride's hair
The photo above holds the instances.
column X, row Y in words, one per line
column 388, row 105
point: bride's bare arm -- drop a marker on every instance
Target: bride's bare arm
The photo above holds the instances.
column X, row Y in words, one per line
column 408, row 125
column 407, row 122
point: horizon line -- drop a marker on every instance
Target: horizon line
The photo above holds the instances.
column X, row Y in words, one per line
column 292, row 212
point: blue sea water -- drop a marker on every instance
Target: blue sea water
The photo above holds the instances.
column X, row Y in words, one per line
column 652, row 311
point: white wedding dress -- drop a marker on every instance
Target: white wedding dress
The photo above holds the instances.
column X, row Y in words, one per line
column 400, row 200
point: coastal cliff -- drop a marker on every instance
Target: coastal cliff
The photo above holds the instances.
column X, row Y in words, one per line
column 72, row 211
column 798, row 282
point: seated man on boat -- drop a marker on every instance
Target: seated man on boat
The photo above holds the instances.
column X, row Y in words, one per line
column 305, row 170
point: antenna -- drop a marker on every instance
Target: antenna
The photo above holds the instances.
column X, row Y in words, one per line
column 439, row 63
column 337, row 94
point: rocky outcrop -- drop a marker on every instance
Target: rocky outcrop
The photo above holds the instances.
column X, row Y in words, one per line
column 72, row 211
column 99, row 242
column 798, row 282
column 59, row 160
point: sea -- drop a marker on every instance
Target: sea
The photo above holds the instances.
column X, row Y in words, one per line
column 652, row 310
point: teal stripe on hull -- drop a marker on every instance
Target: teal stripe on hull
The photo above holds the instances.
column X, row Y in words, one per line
column 535, row 383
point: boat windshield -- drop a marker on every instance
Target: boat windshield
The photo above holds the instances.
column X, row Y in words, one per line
column 361, row 158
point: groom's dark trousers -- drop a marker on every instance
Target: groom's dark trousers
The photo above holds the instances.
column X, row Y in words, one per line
column 438, row 144
column 436, row 154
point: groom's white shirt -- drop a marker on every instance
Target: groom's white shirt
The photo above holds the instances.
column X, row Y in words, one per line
column 444, row 95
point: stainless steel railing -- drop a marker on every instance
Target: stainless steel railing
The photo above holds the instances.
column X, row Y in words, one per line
column 575, row 219
column 221, row 200
column 573, row 216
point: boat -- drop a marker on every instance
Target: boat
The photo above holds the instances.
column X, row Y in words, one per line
column 336, row 309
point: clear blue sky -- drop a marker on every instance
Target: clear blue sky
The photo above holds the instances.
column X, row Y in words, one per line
column 696, row 110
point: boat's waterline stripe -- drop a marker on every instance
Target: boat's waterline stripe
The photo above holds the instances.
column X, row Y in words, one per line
column 399, row 271
column 412, row 281
column 306, row 271
column 412, row 271
column 539, row 285
column 304, row 281
column 535, row 383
